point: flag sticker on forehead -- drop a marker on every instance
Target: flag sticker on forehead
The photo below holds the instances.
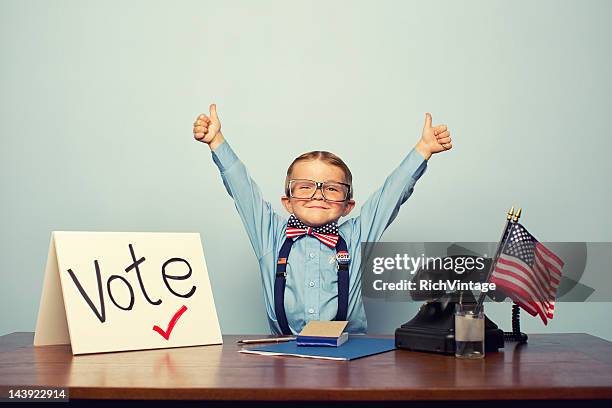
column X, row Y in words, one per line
column 528, row 273
column 327, row 234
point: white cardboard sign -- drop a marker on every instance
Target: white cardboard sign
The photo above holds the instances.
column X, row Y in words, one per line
column 117, row 291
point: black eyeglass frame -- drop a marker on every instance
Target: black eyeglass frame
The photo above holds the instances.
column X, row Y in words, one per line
column 319, row 186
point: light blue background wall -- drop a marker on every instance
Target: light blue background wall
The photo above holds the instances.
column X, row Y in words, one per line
column 98, row 98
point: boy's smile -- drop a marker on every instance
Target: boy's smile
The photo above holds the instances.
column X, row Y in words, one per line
column 317, row 211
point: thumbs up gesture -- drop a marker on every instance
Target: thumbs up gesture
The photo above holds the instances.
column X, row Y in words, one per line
column 207, row 129
column 434, row 139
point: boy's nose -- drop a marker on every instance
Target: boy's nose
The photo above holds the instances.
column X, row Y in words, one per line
column 318, row 195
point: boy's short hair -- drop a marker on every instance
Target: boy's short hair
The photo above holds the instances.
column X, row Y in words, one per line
column 326, row 157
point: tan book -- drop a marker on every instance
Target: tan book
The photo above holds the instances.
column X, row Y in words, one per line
column 323, row 333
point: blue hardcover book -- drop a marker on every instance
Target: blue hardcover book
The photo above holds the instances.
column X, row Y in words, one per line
column 322, row 341
column 356, row 347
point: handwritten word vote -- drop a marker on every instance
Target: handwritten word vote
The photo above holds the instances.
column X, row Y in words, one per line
column 113, row 280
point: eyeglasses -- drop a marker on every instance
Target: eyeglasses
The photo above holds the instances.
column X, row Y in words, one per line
column 334, row 191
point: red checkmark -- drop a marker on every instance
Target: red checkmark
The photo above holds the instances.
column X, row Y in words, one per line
column 177, row 315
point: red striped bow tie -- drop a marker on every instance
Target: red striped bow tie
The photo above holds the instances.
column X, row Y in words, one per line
column 327, row 234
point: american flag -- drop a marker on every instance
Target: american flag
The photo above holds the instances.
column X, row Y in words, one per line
column 528, row 273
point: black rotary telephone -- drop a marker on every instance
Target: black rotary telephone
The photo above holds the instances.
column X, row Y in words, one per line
column 433, row 327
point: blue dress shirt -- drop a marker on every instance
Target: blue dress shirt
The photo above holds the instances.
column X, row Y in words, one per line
column 311, row 291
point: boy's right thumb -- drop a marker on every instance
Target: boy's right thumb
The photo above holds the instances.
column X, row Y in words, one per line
column 213, row 111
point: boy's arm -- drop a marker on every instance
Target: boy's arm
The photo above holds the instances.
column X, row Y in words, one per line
column 381, row 208
column 258, row 216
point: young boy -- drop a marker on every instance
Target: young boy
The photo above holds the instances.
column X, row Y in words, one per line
column 310, row 265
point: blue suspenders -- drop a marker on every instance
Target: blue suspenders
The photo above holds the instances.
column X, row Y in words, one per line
column 343, row 259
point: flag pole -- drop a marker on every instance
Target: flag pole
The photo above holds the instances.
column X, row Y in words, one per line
column 500, row 245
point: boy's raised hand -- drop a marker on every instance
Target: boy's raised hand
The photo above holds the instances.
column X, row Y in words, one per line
column 434, row 139
column 207, row 129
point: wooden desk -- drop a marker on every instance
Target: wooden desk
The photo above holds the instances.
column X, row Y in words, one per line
column 554, row 366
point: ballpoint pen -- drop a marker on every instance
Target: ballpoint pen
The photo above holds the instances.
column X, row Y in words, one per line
column 268, row 340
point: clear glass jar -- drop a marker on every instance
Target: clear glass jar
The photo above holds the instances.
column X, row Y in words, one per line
column 469, row 331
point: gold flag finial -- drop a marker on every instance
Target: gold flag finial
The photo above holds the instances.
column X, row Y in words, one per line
column 517, row 215
column 510, row 214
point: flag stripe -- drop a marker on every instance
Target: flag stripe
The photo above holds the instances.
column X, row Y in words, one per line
column 533, row 277
column 517, row 292
column 514, row 289
column 552, row 257
column 525, row 305
column 522, row 283
column 551, row 270
column 548, row 264
column 541, row 270
column 554, row 288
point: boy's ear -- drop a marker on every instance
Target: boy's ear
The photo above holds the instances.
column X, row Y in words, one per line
column 350, row 204
column 287, row 204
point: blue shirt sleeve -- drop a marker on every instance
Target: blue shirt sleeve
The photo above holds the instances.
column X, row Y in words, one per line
column 381, row 208
column 259, row 218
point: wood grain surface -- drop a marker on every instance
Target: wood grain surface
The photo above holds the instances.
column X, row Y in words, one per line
column 551, row 366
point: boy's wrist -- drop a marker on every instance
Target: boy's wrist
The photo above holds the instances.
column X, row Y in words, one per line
column 217, row 140
column 423, row 150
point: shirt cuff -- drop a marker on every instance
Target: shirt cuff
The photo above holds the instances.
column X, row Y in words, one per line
column 414, row 163
column 223, row 156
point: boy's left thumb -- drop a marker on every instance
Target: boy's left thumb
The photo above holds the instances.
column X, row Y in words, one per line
column 427, row 120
